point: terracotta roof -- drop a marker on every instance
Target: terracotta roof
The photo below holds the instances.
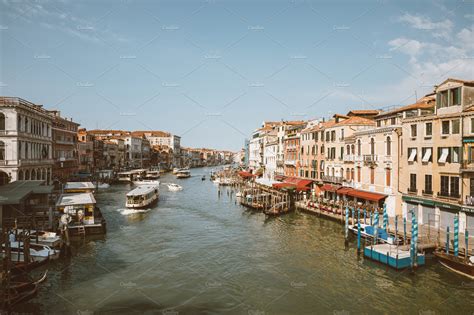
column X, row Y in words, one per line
column 363, row 112
column 468, row 82
column 156, row 133
column 99, row 131
column 355, row 120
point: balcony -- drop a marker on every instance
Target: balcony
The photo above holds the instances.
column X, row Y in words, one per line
column 25, row 162
column 290, row 162
column 333, row 179
column 427, row 192
column 370, row 158
column 447, row 195
column 412, row 190
column 467, row 166
column 469, row 201
column 358, row 158
column 280, row 163
column 348, row 158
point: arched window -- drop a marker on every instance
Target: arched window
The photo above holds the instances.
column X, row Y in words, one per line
column 2, row 151
column 359, row 147
column 372, row 146
column 27, row 174
column 352, row 149
column 389, row 146
column 20, row 175
column 33, row 175
column 2, row 121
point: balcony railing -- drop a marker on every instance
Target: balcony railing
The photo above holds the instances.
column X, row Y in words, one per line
column 290, row 162
column 348, row 158
column 412, row 190
column 469, row 201
column 280, row 163
column 427, row 192
column 370, row 158
column 333, row 179
column 445, row 194
column 467, row 165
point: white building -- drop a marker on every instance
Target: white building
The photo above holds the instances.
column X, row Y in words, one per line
column 25, row 141
column 270, row 157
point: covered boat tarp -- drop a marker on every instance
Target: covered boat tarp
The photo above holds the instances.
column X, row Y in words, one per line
column 245, row 174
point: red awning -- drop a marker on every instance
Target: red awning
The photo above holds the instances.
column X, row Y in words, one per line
column 366, row 195
column 301, row 184
column 245, row 174
column 344, row 190
column 328, row 187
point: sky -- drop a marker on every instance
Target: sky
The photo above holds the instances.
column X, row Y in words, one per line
column 212, row 71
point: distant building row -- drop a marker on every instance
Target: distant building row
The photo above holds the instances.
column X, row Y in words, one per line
column 39, row 144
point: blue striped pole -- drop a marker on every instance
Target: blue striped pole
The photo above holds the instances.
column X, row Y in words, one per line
column 414, row 238
column 385, row 217
column 447, row 240
column 404, row 230
column 376, row 226
column 466, row 240
column 358, row 230
column 456, row 235
column 396, row 227
column 352, row 212
column 347, row 223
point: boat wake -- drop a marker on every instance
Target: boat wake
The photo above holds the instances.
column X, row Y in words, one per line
column 132, row 211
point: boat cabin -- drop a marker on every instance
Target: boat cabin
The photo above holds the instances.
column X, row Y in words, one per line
column 79, row 187
column 80, row 207
column 142, row 196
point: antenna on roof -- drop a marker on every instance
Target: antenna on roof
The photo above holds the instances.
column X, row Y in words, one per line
column 416, row 96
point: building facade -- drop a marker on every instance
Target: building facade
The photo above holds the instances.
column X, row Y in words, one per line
column 25, row 141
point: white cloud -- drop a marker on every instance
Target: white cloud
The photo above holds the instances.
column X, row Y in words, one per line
column 466, row 38
column 440, row 29
column 407, row 46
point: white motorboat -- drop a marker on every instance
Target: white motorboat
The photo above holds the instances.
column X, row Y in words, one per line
column 38, row 252
column 146, row 182
column 239, row 195
column 174, row 187
column 142, row 196
column 175, row 170
column 184, row 173
column 152, row 174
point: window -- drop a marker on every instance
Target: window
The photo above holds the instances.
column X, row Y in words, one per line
column 389, row 146
column 372, row 146
column 444, row 186
column 470, row 154
column 372, row 175
column 428, row 184
column 393, row 121
column 342, row 134
column 379, row 123
column 358, row 175
column 2, row 151
column 443, row 155
column 455, row 154
column 411, row 154
column 472, row 125
column 413, row 130
column 445, row 127
column 426, row 154
column 388, row 177
column 428, row 129
column 455, row 126
column 455, row 95
column 2, row 121
column 359, row 147
column 442, row 99
column 412, row 183
column 454, row 186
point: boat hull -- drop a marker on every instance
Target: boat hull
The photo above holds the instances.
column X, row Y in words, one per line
column 397, row 261
column 456, row 264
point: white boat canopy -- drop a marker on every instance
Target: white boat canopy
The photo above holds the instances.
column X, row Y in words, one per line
column 142, row 190
column 79, row 185
column 76, row 199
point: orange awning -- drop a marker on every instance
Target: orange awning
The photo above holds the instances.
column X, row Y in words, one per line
column 344, row 190
column 328, row 187
column 366, row 195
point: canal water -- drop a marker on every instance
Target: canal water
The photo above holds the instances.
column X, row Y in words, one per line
column 196, row 252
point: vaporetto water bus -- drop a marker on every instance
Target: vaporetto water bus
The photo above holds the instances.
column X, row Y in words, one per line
column 142, row 196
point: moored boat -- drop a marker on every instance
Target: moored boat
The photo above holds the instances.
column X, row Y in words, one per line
column 142, row 196
column 37, row 252
column 368, row 231
column 458, row 264
column 174, row 187
column 175, row 170
column 184, row 173
column 146, row 182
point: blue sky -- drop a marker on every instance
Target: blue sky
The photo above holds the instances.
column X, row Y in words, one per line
column 212, row 71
